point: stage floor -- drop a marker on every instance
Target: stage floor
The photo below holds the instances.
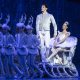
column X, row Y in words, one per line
column 24, row 78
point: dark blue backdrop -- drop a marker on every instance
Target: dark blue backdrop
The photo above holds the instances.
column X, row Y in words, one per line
column 61, row 9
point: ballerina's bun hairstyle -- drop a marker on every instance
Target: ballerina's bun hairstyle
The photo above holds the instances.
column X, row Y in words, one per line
column 67, row 23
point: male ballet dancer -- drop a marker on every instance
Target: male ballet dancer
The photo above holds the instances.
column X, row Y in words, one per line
column 43, row 30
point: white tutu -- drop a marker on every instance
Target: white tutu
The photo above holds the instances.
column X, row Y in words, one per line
column 69, row 42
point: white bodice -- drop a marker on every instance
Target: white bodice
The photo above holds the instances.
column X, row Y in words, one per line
column 61, row 36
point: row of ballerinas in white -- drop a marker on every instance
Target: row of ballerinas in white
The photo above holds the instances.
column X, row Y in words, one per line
column 23, row 45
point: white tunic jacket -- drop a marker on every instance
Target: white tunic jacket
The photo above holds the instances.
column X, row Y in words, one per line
column 43, row 22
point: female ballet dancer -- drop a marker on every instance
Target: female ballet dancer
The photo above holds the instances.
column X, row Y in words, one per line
column 62, row 36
